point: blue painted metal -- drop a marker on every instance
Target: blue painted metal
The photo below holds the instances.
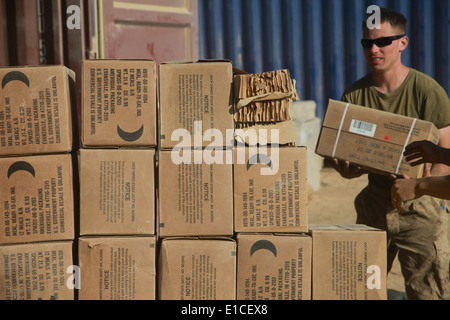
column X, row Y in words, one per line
column 272, row 31
column 318, row 40
column 314, row 47
column 234, row 32
column 443, row 43
column 253, row 60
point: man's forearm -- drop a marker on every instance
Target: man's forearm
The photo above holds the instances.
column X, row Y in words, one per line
column 438, row 187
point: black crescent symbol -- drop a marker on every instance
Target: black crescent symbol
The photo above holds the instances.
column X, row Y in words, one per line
column 21, row 166
column 15, row 76
column 259, row 158
column 263, row 244
column 130, row 136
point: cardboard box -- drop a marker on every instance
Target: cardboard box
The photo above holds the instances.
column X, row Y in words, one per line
column 194, row 98
column 195, row 198
column 197, row 269
column 119, row 105
column 117, row 191
column 117, row 268
column 37, row 271
column 349, row 262
column 265, row 101
column 308, row 131
column 371, row 138
column 271, row 190
column 261, row 134
column 36, row 198
column 274, row 267
column 36, row 110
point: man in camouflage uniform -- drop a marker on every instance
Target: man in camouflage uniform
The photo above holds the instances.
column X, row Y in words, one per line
column 419, row 234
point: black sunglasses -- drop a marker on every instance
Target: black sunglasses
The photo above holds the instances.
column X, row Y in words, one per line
column 380, row 42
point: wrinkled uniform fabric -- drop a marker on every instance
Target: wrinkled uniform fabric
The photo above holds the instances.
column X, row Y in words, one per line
column 419, row 235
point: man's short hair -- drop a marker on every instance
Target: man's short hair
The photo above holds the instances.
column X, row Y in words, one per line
column 396, row 19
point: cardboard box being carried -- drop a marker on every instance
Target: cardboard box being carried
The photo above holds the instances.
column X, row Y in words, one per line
column 372, row 139
column 196, row 101
column 117, row 268
column 119, row 103
column 271, row 190
column 274, row 267
column 117, row 192
column 197, row 269
column 195, row 196
column 36, row 110
column 36, row 198
column 349, row 262
column 37, row 271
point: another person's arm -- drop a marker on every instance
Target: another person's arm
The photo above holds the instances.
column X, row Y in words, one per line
column 436, row 182
column 408, row 189
column 420, row 152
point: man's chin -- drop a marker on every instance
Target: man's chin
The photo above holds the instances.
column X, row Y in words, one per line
column 377, row 67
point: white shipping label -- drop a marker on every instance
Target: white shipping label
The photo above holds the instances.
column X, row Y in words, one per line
column 363, row 128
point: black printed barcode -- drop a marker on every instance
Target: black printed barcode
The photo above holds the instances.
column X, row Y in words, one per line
column 364, row 128
column 360, row 125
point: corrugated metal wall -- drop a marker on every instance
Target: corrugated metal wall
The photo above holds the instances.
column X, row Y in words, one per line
column 318, row 40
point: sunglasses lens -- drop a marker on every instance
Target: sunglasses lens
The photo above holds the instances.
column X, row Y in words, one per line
column 366, row 43
column 380, row 42
column 383, row 42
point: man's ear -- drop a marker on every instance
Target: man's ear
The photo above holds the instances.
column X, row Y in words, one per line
column 404, row 43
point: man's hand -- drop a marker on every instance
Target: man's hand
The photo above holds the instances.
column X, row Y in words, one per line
column 423, row 152
column 403, row 189
column 345, row 169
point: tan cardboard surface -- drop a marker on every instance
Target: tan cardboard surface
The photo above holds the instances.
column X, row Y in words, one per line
column 269, row 85
column 274, row 267
column 349, row 263
column 372, row 138
column 265, row 111
column 35, row 110
column 36, row 198
column 195, row 199
column 117, row 191
column 119, row 104
column 117, row 268
column 36, row 271
column 192, row 92
column 197, row 269
column 282, row 133
column 265, row 100
column 271, row 194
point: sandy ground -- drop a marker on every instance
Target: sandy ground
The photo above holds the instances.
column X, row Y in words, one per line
column 333, row 203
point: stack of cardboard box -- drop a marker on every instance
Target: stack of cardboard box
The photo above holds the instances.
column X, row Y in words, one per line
column 195, row 185
column 270, row 191
column 36, row 190
column 210, row 204
column 117, row 242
